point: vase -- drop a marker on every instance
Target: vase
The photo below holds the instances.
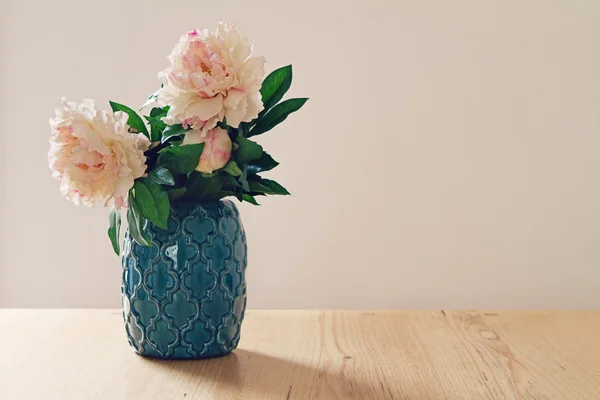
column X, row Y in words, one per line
column 185, row 295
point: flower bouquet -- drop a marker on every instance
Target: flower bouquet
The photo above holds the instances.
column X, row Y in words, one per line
column 184, row 253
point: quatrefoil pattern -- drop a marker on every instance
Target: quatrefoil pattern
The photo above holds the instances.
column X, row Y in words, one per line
column 185, row 296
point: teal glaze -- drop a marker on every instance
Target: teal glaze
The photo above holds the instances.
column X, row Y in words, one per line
column 185, row 296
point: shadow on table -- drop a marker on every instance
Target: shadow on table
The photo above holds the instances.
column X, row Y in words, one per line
column 248, row 374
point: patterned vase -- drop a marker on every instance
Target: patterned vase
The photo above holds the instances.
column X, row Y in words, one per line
column 185, row 296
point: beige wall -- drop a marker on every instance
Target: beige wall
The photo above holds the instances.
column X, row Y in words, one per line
column 449, row 155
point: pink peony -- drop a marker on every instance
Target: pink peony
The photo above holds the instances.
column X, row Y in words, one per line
column 212, row 76
column 93, row 154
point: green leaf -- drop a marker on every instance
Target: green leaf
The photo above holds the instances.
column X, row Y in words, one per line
column 182, row 159
column 264, row 163
column 267, row 186
column 242, row 128
column 238, row 193
column 201, row 187
column 247, row 150
column 224, row 193
column 159, row 112
column 156, row 115
column 152, row 98
column 275, row 187
column 275, row 85
column 176, row 194
column 157, row 126
column 172, row 130
column 250, row 199
column 136, row 222
column 145, row 202
column 152, row 201
column 229, row 181
column 134, row 121
column 162, row 176
column 114, row 228
column 277, row 115
column 243, row 179
column 232, row 169
column 156, row 122
column 257, row 187
column 156, row 130
column 161, row 199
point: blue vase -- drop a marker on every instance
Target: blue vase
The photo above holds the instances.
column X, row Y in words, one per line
column 185, row 296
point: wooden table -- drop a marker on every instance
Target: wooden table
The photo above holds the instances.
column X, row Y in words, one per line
column 83, row 354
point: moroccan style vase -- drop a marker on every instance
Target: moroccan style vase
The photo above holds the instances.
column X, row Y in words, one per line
column 185, row 296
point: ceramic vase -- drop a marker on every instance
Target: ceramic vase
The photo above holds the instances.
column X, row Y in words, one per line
column 185, row 296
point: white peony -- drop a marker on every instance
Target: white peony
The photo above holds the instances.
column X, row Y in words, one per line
column 93, row 154
column 212, row 76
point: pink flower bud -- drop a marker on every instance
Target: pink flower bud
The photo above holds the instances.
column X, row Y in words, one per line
column 217, row 148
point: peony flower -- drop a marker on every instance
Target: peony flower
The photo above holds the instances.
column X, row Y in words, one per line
column 212, row 76
column 217, row 148
column 93, row 154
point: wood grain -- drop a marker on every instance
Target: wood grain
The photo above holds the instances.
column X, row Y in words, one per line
column 77, row 354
